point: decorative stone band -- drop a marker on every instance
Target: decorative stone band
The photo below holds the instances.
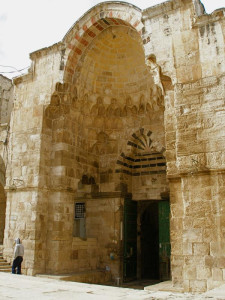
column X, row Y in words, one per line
column 142, row 164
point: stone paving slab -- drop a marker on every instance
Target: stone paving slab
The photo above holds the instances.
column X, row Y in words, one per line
column 34, row 288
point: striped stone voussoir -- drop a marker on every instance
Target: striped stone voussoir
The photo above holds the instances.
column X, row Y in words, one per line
column 89, row 28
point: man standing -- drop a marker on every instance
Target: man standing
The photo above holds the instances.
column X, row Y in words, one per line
column 18, row 257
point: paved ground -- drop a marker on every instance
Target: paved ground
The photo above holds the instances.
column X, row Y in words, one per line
column 34, row 288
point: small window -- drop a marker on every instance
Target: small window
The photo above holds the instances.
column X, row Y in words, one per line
column 79, row 210
column 79, row 229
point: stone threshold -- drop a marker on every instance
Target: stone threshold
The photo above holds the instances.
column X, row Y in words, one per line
column 164, row 286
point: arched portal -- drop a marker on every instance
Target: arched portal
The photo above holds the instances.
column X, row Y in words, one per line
column 108, row 94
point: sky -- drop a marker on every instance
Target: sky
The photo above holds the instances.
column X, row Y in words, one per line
column 28, row 25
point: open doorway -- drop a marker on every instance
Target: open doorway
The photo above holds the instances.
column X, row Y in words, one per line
column 149, row 242
column 154, row 240
column 146, row 240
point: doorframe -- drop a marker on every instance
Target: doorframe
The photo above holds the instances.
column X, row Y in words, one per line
column 138, row 235
column 142, row 205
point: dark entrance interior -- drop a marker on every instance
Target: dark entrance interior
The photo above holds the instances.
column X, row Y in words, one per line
column 154, row 240
column 150, row 242
column 146, row 240
column 130, row 240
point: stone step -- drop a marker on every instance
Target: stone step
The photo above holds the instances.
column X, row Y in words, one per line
column 9, row 270
column 4, row 263
column 5, row 267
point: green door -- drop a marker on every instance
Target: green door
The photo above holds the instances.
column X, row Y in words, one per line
column 164, row 240
column 130, row 240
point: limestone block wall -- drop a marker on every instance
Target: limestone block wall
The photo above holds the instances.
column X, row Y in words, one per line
column 66, row 253
column 197, row 231
column 104, row 218
column 200, row 157
column 176, row 231
column 189, row 46
column 22, row 184
column 85, row 254
column 21, row 223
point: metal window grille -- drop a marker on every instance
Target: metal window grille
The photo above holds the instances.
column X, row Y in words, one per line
column 79, row 210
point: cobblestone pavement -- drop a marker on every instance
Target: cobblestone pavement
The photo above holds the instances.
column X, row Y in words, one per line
column 32, row 288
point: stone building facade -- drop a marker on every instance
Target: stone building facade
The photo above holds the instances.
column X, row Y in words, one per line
column 114, row 130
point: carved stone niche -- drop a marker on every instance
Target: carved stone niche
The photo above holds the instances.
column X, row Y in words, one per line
column 87, row 179
column 61, row 95
column 55, row 99
column 61, row 87
column 98, row 109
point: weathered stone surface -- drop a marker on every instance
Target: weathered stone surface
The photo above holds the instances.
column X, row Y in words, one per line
column 129, row 104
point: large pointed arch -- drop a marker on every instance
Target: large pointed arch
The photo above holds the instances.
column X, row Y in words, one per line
column 88, row 27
